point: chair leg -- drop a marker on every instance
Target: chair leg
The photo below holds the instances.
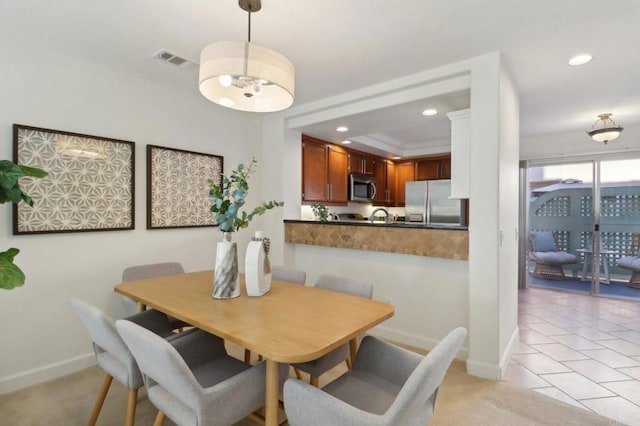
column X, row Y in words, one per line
column 106, row 383
column 634, row 281
column 349, row 364
column 159, row 419
column 314, row 381
column 132, row 399
column 298, row 374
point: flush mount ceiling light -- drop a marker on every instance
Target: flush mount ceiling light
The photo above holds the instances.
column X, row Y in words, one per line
column 580, row 59
column 429, row 112
column 244, row 75
column 342, row 129
column 346, row 142
column 608, row 131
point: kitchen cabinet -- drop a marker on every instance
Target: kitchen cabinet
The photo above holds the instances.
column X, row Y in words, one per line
column 433, row 168
column 460, row 155
column 361, row 163
column 385, row 174
column 405, row 172
column 324, row 172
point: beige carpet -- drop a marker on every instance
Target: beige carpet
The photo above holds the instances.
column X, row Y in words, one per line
column 463, row 400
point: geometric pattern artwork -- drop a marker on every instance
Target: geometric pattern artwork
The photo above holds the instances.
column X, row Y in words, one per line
column 178, row 187
column 89, row 187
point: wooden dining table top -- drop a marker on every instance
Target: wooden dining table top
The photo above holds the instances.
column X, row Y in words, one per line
column 291, row 323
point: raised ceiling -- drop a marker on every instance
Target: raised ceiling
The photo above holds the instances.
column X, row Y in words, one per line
column 339, row 46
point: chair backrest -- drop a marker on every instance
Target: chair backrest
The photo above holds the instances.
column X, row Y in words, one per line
column 282, row 273
column 542, row 241
column 345, row 285
column 634, row 247
column 142, row 272
column 161, row 363
column 153, row 270
column 416, row 400
column 105, row 338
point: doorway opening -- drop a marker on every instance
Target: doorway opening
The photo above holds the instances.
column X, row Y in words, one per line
column 582, row 222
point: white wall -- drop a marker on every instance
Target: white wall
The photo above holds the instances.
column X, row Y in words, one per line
column 40, row 337
column 508, row 211
column 431, row 295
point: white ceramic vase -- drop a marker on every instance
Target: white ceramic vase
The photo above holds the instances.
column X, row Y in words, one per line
column 225, row 282
column 257, row 267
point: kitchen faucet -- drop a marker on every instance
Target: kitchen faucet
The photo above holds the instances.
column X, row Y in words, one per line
column 379, row 209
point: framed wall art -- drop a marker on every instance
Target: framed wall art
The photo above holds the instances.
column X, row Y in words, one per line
column 90, row 186
column 178, row 187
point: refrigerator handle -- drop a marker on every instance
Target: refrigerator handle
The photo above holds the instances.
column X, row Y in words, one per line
column 428, row 212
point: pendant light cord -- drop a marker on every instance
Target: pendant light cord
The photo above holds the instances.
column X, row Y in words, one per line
column 249, row 30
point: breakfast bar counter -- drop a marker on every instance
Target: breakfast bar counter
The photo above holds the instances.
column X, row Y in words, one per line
column 448, row 242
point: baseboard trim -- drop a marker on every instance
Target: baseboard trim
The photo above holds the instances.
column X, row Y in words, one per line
column 506, row 355
column 410, row 339
column 34, row 376
column 493, row 371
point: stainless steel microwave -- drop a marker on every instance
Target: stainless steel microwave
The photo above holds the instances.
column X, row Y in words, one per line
column 362, row 189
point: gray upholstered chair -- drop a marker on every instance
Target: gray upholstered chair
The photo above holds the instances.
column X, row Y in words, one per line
column 112, row 354
column 328, row 361
column 387, row 386
column 281, row 273
column 631, row 261
column 547, row 257
column 192, row 380
column 143, row 272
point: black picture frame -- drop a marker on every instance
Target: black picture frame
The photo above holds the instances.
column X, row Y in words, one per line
column 178, row 187
column 89, row 187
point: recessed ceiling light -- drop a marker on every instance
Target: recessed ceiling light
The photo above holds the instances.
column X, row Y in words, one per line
column 580, row 59
column 342, row 129
column 346, row 142
column 428, row 112
column 396, row 158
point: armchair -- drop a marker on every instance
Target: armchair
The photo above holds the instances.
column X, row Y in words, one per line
column 192, row 380
column 387, row 386
column 632, row 261
column 330, row 360
column 547, row 257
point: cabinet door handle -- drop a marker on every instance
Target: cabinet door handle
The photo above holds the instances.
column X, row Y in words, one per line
column 329, row 192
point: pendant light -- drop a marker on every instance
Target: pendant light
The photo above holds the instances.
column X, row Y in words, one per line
column 244, row 75
column 609, row 130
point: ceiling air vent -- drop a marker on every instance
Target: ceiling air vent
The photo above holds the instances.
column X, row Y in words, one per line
column 174, row 59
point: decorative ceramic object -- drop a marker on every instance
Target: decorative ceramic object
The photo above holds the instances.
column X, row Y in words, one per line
column 257, row 268
column 225, row 281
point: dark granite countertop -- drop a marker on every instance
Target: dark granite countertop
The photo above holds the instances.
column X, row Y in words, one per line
column 380, row 224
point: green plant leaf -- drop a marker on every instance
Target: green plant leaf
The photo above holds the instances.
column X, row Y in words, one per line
column 33, row 171
column 10, row 274
column 230, row 196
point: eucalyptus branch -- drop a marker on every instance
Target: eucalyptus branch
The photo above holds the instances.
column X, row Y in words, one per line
column 229, row 197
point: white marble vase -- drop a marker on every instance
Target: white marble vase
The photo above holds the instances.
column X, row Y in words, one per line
column 225, row 282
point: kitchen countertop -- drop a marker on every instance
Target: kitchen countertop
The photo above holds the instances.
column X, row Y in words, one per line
column 379, row 224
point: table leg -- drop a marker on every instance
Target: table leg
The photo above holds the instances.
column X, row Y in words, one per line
column 585, row 261
column 605, row 264
column 353, row 350
column 271, row 394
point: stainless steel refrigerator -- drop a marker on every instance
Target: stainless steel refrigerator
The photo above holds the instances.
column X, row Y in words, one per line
column 428, row 201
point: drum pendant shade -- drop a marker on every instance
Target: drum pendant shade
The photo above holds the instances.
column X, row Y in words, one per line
column 246, row 76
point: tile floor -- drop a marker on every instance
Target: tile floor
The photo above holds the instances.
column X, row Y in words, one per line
column 580, row 349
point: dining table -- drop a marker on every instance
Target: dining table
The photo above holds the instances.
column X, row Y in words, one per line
column 291, row 323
